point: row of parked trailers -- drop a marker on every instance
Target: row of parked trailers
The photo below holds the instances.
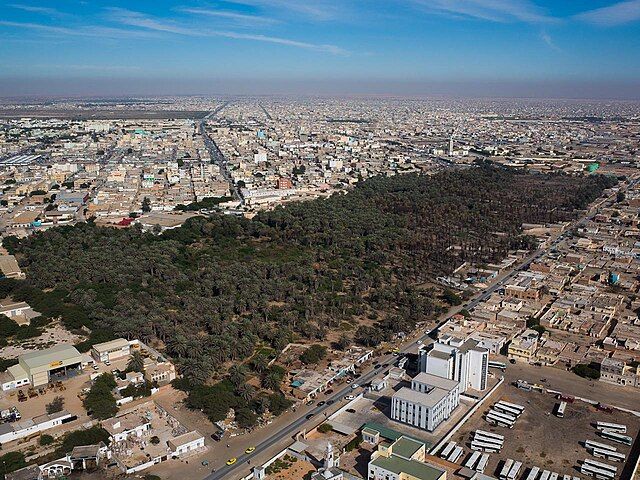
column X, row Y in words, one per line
column 486, row 441
column 535, row 473
column 601, row 450
column 452, row 452
column 510, row 469
column 504, row 414
column 477, row 461
column 611, row 427
column 599, row 470
column 614, row 431
column 483, row 443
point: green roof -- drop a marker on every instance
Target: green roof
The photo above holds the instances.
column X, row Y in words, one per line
column 406, row 447
column 416, row 469
column 390, row 434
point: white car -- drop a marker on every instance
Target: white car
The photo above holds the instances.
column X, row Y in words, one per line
column 354, row 386
column 349, row 397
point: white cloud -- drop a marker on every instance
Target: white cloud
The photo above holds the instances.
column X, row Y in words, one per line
column 82, row 31
column 136, row 19
column 239, row 18
column 314, row 9
column 616, row 14
column 491, row 10
column 35, row 9
column 546, row 38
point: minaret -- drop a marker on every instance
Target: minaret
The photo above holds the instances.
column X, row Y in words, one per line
column 329, row 460
column 451, row 145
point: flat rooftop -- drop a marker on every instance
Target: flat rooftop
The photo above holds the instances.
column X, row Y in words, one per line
column 428, row 399
column 416, row 469
column 59, row 353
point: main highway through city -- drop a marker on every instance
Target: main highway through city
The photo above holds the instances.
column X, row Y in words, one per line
column 214, row 152
column 310, row 419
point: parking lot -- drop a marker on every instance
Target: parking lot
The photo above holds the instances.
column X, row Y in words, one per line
column 539, row 438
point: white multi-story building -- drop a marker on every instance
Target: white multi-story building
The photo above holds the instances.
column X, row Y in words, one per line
column 428, row 402
column 456, row 359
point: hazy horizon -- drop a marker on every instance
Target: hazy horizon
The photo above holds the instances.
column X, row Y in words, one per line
column 123, row 87
column 506, row 48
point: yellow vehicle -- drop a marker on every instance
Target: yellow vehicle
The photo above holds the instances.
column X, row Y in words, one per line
column 395, row 350
column 231, row 461
column 250, row 450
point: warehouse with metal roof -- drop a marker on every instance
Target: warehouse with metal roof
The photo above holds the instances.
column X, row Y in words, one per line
column 50, row 364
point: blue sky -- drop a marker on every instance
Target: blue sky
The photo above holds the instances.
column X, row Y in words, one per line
column 391, row 42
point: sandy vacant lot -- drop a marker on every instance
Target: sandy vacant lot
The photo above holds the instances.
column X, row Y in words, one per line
column 54, row 334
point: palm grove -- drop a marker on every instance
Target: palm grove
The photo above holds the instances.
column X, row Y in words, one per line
column 223, row 290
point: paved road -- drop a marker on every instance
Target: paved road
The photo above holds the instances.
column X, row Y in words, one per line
column 215, row 112
column 241, row 468
column 268, row 115
column 214, row 152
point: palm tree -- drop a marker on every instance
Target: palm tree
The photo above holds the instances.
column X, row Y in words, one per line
column 136, row 362
column 237, row 375
column 259, row 363
column 262, row 404
column 272, row 381
column 245, row 391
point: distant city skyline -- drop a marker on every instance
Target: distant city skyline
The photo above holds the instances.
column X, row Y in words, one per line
column 508, row 48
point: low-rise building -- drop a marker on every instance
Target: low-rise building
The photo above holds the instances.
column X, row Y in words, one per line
column 109, row 351
column 14, row 377
column 613, row 370
column 14, row 309
column 159, row 372
column 403, row 459
column 38, row 367
column 524, row 346
column 17, row 430
column 10, row 268
column 186, row 443
column 130, row 424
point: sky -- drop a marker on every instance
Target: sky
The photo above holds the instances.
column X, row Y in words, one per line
column 527, row 48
